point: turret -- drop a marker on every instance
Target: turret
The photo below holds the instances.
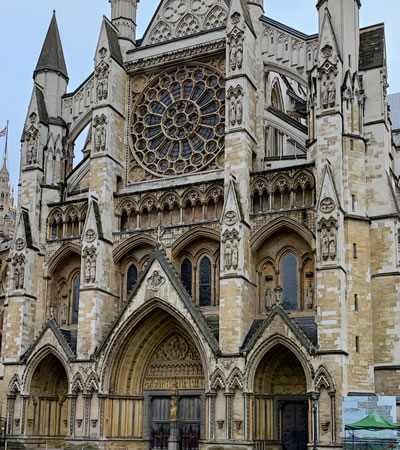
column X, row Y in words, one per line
column 123, row 17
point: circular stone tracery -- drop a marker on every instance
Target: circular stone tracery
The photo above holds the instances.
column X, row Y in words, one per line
column 178, row 126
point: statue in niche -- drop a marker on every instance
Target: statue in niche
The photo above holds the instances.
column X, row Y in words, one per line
column 93, row 270
column 278, row 295
column 21, row 277
column 16, row 278
column 233, row 56
column 331, row 93
column 332, row 243
column 324, row 244
column 64, row 314
column 309, row 296
column 269, row 298
column 235, row 256
column 98, row 139
column 239, row 112
column 87, row 269
column 102, row 138
column 239, row 56
column 325, row 94
column 232, row 111
column 228, row 256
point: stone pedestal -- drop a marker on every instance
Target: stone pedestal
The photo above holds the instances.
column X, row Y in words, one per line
column 173, row 441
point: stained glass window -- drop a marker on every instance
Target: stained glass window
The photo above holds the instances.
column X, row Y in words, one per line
column 205, row 282
column 186, row 275
column 75, row 302
column 289, row 281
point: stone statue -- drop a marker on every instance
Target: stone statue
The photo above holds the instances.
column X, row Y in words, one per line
column 98, row 139
column 228, row 256
column 331, row 93
column 235, row 256
column 332, row 244
column 174, row 404
column 87, row 269
column 239, row 56
column 309, row 296
column 325, row 95
column 278, row 295
column 21, row 277
column 233, row 55
column 64, row 314
column 102, row 139
column 239, row 112
column 269, row 298
column 93, row 270
column 16, row 279
column 324, row 244
column 232, row 112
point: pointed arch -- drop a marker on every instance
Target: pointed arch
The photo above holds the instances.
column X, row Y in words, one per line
column 275, row 225
column 14, row 386
column 193, row 235
column 77, row 383
column 92, row 383
column 60, row 254
column 218, row 380
column 323, row 378
column 128, row 245
column 235, row 380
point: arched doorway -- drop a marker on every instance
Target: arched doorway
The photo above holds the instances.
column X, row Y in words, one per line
column 48, row 408
column 157, row 385
column 281, row 405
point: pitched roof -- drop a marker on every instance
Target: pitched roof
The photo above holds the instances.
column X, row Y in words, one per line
column 52, row 55
column 115, row 49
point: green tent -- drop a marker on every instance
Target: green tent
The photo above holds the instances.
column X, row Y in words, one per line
column 373, row 422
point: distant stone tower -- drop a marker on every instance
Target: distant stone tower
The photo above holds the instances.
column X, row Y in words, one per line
column 7, row 209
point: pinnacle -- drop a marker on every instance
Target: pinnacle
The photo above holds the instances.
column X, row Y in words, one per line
column 52, row 55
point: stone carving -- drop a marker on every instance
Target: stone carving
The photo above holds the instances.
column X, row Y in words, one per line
column 175, row 365
column 100, row 133
column 18, row 262
column 52, row 308
column 326, row 51
column 327, row 205
column 89, row 255
column 235, row 18
column 230, row 218
column 64, row 314
column 174, row 404
column 328, row 90
column 236, row 51
column 188, row 25
column 215, row 19
column 32, row 138
column 19, row 244
column 269, row 298
column 278, row 295
column 155, row 281
column 174, row 10
column 90, row 235
column 230, row 241
column 328, row 239
column 102, row 72
column 235, row 96
column 309, row 296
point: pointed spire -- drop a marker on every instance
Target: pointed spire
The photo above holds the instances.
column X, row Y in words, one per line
column 52, row 55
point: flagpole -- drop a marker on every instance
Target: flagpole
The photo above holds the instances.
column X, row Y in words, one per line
column 5, row 148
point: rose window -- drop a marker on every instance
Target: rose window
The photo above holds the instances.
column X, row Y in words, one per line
column 178, row 126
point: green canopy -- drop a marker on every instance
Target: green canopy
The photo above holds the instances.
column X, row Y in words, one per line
column 373, row 422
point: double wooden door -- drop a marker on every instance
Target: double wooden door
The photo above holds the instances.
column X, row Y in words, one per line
column 189, row 419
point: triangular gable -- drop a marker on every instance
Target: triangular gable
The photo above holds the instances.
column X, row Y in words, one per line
column 159, row 279
column 49, row 332
column 328, row 192
column 280, row 315
column 241, row 7
column 108, row 40
column 328, row 49
column 23, row 230
column 93, row 222
column 231, row 203
column 188, row 18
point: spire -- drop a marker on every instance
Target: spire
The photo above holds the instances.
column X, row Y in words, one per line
column 52, row 55
column 4, row 168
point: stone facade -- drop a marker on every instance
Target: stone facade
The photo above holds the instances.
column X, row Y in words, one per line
column 225, row 258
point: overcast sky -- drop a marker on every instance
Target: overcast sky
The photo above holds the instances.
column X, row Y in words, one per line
column 25, row 23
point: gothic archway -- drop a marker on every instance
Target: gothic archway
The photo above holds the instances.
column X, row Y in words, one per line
column 157, row 362
column 47, row 407
column 281, row 404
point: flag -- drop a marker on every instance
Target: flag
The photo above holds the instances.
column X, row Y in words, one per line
column 3, row 132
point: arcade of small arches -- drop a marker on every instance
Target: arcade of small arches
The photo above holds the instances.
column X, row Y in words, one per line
column 156, row 360
column 193, row 206
column 67, row 223
column 282, row 192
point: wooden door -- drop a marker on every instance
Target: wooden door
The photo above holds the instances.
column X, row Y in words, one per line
column 294, row 425
column 160, row 418
column 189, row 422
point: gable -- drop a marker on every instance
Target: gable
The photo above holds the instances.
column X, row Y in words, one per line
column 176, row 19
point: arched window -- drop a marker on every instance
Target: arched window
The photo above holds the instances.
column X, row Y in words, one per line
column 289, row 282
column 75, row 299
column 205, row 282
column 124, row 221
column 186, row 275
column 131, row 278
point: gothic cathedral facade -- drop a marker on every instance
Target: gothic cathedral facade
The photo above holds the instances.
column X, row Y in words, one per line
column 222, row 268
